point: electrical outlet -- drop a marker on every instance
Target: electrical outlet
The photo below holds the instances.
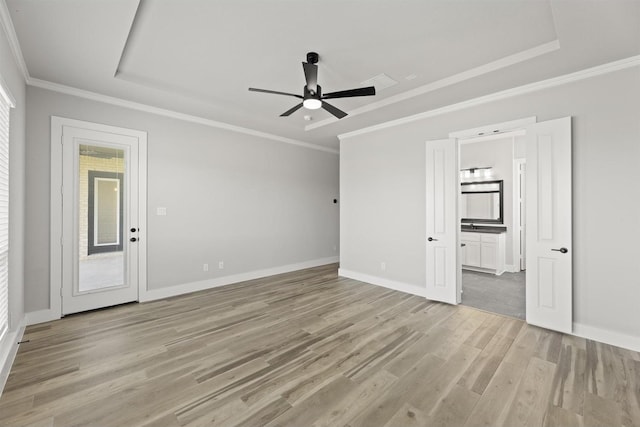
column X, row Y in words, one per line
column 383, row 266
column 205, row 267
column 335, row 248
column 221, row 265
column 160, row 211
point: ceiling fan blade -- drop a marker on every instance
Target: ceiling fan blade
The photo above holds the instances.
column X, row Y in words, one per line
column 253, row 89
column 362, row 91
column 292, row 110
column 333, row 110
column 311, row 75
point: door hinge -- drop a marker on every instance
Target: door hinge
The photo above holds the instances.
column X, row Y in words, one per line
column 60, row 291
column 62, row 190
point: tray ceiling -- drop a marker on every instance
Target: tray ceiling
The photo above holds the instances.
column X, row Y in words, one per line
column 199, row 57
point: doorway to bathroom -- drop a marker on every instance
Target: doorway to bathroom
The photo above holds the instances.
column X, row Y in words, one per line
column 492, row 223
column 548, row 228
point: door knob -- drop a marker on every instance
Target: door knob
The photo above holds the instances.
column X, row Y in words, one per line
column 431, row 239
column 561, row 250
column 133, row 239
column 133, row 229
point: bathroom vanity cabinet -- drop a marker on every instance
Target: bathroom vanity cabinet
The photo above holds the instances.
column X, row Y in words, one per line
column 483, row 251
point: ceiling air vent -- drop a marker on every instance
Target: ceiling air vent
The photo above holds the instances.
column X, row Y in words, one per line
column 381, row 81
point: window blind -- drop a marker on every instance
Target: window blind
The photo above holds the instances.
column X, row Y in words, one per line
column 4, row 216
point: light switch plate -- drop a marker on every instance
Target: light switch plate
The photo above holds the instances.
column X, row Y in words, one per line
column 161, row 211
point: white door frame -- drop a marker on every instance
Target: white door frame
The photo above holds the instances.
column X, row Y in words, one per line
column 479, row 134
column 517, row 214
column 55, row 273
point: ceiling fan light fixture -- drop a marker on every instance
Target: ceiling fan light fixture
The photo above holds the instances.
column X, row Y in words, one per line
column 312, row 104
column 312, row 98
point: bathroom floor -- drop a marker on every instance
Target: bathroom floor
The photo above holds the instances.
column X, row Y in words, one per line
column 502, row 294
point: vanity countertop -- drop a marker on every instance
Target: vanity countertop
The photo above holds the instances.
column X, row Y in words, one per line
column 483, row 229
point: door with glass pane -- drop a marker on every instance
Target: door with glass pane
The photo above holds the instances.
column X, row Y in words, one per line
column 100, row 220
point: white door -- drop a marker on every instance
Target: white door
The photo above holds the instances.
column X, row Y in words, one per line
column 100, row 219
column 548, row 232
column 442, row 220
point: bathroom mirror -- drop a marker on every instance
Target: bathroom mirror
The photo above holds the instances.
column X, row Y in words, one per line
column 481, row 202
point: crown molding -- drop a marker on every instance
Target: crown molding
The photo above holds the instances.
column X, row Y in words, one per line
column 599, row 70
column 81, row 93
column 12, row 38
column 14, row 44
column 507, row 61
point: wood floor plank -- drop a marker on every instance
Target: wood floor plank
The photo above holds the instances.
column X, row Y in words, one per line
column 225, row 414
column 408, row 416
column 629, row 399
column 311, row 348
column 455, row 408
column 560, row 417
column 357, row 400
column 601, row 412
column 531, row 400
column 477, row 376
column 437, row 385
column 313, row 407
column 497, row 397
column 388, row 404
column 569, row 385
column 264, row 414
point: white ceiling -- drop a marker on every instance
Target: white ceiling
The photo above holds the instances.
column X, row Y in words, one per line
column 199, row 56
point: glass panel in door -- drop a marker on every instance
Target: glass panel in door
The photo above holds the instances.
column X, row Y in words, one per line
column 101, row 174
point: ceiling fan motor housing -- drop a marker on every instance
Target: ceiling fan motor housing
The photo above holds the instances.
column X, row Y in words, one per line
column 309, row 94
column 312, row 57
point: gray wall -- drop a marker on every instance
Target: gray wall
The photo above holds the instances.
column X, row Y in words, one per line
column 15, row 84
column 251, row 202
column 383, row 192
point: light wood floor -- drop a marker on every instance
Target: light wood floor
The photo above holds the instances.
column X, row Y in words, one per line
column 310, row 349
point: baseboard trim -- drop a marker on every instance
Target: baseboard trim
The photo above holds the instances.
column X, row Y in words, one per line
column 40, row 316
column 380, row 281
column 186, row 288
column 8, row 351
column 511, row 268
column 630, row 342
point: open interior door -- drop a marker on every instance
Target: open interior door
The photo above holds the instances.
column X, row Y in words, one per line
column 548, row 233
column 442, row 220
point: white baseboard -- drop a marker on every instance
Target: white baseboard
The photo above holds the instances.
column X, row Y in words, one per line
column 512, row 268
column 630, row 342
column 172, row 291
column 8, row 350
column 40, row 316
column 380, row 281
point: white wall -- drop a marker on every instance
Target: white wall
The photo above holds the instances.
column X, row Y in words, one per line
column 498, row 154
column 383, row 193
column 253, row 203
column 15, row 84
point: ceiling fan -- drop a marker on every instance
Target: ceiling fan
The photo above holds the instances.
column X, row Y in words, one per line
column 312, row 97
